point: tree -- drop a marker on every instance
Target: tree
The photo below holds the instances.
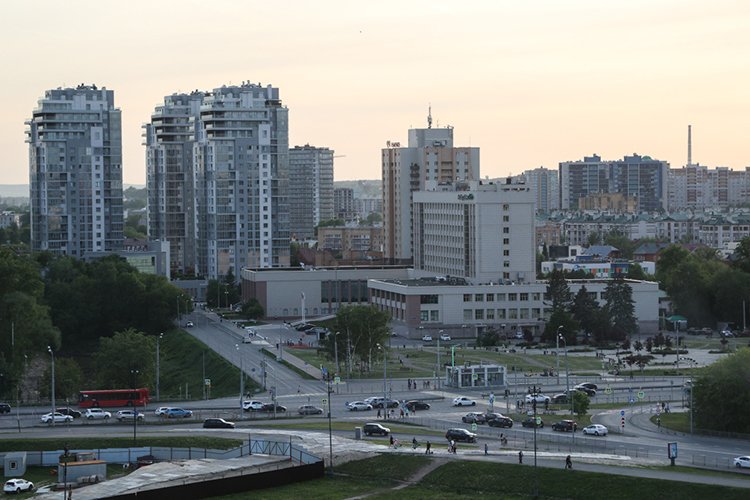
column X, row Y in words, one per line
column 294, row 254
column 721, row 399
column 581, row 403
column 118, row 356
column 601, row 325
column 528, row 336
column 594, row 239
column 636, row 272
column 215, row 293
column 620, row 242
column 233, row 288
column 637, row 346
column 619, row 297
column 625, row 345
column 252, row 309
column 560, row 317
column 371, row 219
column 583, row 308
column 489, row 338
column 68, row 380
column 558, row 292
column 649, row 344
column 545, row 251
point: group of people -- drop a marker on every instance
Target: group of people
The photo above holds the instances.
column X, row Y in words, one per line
column 404, row 413
column 413, row 384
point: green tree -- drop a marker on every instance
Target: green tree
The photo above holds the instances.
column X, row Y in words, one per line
column 620, row 242
column 68, row 380
column 581, row 403
column 371, row 219
column 729, row 287
column 118, row 356
column 252, row 309
column 294, row 254
column 601, row 325
column 636, row 272
column 233, row 288
column 594, row 239
column 558, row 292
column 583, row 308
column 560, row 317
column 133, row 229
column 721, row 398
column 619, row 297
column 489, row 338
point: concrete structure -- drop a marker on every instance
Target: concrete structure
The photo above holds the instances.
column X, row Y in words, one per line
column 544, row 184
column 8, row 219
column 430, row 156
column 601, row 268
column 238, row 159
column 367, row 205
column 343, row 205
column 152, row 257
column 356, row 239
column 614, row 202
column 641, row 177
column 482, row 232
column 547, row 233
column 14, row 464
column 699, row 187
column 469, row 375
column 75, row 172
column 196, row 289
column 310, row 189
column 73, row 472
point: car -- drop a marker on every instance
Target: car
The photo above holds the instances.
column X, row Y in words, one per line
column 253, row 405
column 179, row 413
column 307, row 327
column 560, row 399
column 124, row 415
column 588, row 385
column 217, row 423
column 17, row 486
column 539, row 398
column 59, row 418
column 726, row 333
column 270, row 408
column 596, row 430
column 370, row 429
column 358, row 405
column 445, row 337
column 519, row 335
column 69, row 411
column 500, row 421
column 96, row 413
column 301, row 327
column 309, row 410
column 416, row 405
column 580, row 388
column 250, row 331
column 189, row 324
column 247, row 340
column 739, row 462
column 565, row 426
column 371, row 400
column 460, row 435
column 531, row 422
column 4, row 408
column 464, row 401
column 161, row 411
column 427, row 338
column 473, row 418
column 380, row 402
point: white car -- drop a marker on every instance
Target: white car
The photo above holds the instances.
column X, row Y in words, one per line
column 464, row 401
column 247, row 340
column 371, row 400
column 427, row 338
column 161, row 411
column 59, row 418
column 17, row 486
column 358, row 405
column 445, row 337
column 253, row 405
column 596, row 430
column 93, row 413
column 740, row 462
column 540, row 398
column 189, row 324
column 124, row 415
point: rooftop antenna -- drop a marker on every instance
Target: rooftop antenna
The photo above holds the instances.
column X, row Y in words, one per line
column 690, row 147
column 429, row 116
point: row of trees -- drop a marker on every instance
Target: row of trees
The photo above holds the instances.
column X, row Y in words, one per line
column 223, row 292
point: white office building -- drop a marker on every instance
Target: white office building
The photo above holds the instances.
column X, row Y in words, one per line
column 310, row 189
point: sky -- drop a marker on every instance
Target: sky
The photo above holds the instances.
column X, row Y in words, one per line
column 530, row 82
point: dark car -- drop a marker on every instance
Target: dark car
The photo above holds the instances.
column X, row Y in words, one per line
column 370, row 429
column 474, row 418
column 269, row 408
column 69, row 411
column 461, row 435
column 217, row 423
column 5, row 408
column 303, row 327
column 588, row 385
column 309, row 410
column 580, row 388
column 560, row 399
column 416, row 405
column 390, row 403
column 500, row 421
column 565, row 426
column 531, row 422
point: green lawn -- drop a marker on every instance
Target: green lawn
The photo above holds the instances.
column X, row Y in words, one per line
column 679, row 422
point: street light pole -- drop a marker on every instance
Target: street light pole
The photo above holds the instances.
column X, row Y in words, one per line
column 438, row 358
column 135, row 405
column 157, row 366
column 557, row 349
column 242, row 378
column 385, row 383
column 567, row 385
column 336, row 349
column 53, row 384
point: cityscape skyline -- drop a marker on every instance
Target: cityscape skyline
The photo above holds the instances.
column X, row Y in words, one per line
column 530, row 84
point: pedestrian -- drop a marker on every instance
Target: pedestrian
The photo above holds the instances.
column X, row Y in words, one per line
column 486, row 448
column 378, row 412
column 391, row 440
column 568, row 462
column 520, row 457
column 406, row 411
column 409, row 382
column 502, row 438
column 299, row 390
column 658, row 424
column 414, row 443
column 402, row 413
column 453, row 446
column 428, row 451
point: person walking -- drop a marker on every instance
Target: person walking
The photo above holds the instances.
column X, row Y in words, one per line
column 486, row 449
column 391, row 440
column 428, row 451
column 568, row 462
column 658, row 424
column 406, row 412
column 520, row 457
column 379, row 416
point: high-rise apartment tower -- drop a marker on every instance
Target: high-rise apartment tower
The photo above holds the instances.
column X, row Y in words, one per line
column 310, row 189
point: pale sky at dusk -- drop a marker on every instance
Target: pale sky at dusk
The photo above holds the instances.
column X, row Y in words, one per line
column 530, row 82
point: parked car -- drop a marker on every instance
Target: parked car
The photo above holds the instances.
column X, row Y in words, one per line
column 531, row 422
column 445, row 336
column 596, row 430
column 539, row 398
column 253, row 405
column 161, row 411
column 307, row 327
column 464, row 401
column 309, row 410
column 4, row 408
column 17, row 485
column 461, row 435
column 269, row 408
column 96, row 413
column 473, row 418
column 565, row 426
column 370, row 429
column 380, row 402
column 739, row 462
column 358, row 405
column 59, row 418
column 124, row 415
column 179, row 413
column 217, row 423
column 69, row 411
column 500, row 421
column 189, row 324
column 519, row 335
column 416, row 405
column 560, row 399
column 427, row 338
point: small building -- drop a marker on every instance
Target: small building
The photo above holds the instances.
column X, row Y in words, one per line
column 78, row 470
column 470, row 375
column 15, row 464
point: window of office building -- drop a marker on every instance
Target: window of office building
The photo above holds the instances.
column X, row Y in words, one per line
column 524, row 313
column 479, row 314
column 524, row 297
column 479, row 297
column 535, row 296
column 501, row 314
column 467, row 297
column 535, row 311
column 425, row 315
column 467, row 315
column 512, row 313
column 490, row 297
column 501, row 297
column 512, row 297
column 490, row 314
column 434, row 315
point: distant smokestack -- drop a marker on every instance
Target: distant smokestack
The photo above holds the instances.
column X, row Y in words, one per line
column 690, row 147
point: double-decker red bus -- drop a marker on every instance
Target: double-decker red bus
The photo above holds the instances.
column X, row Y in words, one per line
column 116, row 397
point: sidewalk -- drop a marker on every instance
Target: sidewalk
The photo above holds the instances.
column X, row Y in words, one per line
column 293, row 360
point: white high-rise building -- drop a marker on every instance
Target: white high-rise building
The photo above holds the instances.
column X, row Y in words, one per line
column 544, row 185
column 75, row 172
column 430, row 156
column 310, row 189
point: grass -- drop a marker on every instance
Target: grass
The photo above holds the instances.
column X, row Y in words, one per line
column 95, row 443
column 698, row 472
column 679, row 422
column 338, row 488
column 390, row 466
column 287, row 364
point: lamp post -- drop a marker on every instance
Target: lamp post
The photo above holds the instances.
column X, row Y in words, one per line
column 336, row 350
column 226, row 299
column 385, row 384
column 242, row 378
column 157, row 366
column 557, row 349
column 53, row 384
column 330, row 431
column 567, row 385
column 692, row 362
column 440, row 333
column 135, row 405
column 178, row 311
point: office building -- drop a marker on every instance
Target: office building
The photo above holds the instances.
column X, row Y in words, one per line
column 310, row 189
column 344, row 206
column 429, row 156
column 544, row 185
column 75, row 172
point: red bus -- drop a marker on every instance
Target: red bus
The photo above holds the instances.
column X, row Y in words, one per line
column 117, row 397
